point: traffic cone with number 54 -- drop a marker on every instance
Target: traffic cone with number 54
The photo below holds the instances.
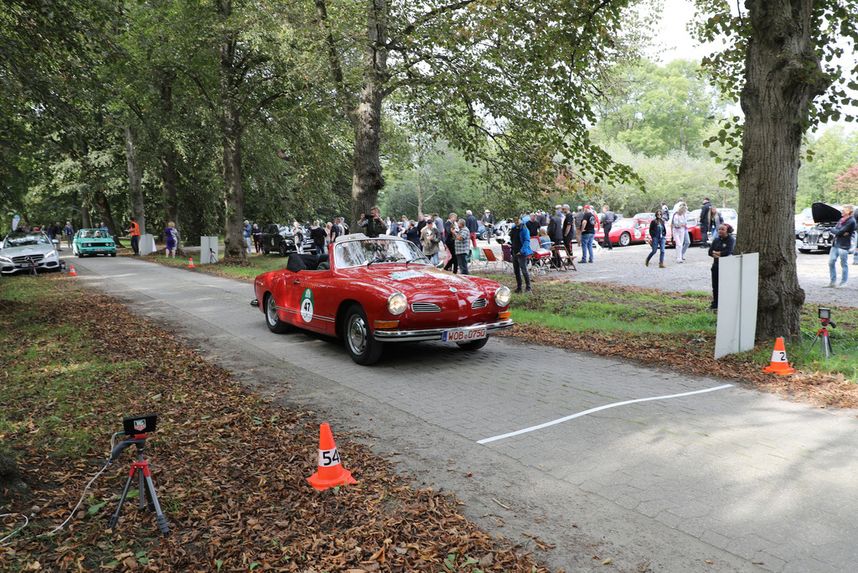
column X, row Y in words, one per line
column 331, row 472
column 779, row 364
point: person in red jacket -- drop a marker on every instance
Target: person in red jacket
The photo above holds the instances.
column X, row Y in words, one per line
column 134, row 231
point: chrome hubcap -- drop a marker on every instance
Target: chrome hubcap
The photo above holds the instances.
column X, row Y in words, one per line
column 271, row 311
column 357, row 335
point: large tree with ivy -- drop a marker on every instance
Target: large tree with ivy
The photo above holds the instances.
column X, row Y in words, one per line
column 783, row 63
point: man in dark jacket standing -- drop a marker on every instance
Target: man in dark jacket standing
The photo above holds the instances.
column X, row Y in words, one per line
column 568, row 228
column 608, row 218
column 450, row 227
column 472, row 226
column 555, row 232
column 721, row 247
column 704, row 221
column 840, row 247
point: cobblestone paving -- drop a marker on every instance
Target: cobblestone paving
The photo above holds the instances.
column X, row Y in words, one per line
column 732, row 480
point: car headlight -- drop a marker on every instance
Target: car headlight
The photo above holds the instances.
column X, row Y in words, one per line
column 51, row 255
column 826, row 234
column 502, row 296
column 397, row 303
column 5, row 260
column 802, row 235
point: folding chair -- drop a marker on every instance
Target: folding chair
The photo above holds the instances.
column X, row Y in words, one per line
column 506, row 252
column 566, row 260
column 491, row 258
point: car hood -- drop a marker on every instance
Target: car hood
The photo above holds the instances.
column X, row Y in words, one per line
column 417, row 280
column 26, row 251
column 823, row 213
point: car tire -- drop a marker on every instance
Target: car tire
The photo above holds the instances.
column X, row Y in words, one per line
column 112, row 254
column 272, row 320
column 360, row 344
column 625, row 240
column 283, row 251
column 473, row 345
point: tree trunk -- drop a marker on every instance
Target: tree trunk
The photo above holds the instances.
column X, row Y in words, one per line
column 367, row 179
column 419, row 198
column 103, row 207
column 135, row 187
column 168, row 153
column 231, row 132
column 782, row 76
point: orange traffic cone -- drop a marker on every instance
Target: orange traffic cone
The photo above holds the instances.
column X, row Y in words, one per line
column 72, row 272
column 191, row 263
column 779, row 364
column 331, row 472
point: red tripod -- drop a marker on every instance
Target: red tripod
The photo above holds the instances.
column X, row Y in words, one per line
column 140, row 467
column 822, row 335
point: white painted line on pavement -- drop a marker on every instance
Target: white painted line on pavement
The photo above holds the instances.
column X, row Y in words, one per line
column 599, row 409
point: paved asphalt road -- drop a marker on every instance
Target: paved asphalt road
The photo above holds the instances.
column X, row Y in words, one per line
column 728, row 480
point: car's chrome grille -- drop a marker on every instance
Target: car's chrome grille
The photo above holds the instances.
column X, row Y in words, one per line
column 479, row 303
column 28, row 258
column 425, row 307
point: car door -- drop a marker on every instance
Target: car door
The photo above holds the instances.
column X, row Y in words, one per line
column 312, row 302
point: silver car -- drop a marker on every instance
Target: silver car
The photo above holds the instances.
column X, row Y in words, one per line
column 28, row 252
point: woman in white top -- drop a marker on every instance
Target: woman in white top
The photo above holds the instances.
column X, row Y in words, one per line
column 679, row 224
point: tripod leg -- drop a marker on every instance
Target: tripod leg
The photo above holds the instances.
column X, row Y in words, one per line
column 115, row 519
column 159, row 515
column 826, row 344
column 141, row 491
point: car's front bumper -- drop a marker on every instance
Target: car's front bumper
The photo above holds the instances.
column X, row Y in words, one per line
column 13, row 268
column 435, row 333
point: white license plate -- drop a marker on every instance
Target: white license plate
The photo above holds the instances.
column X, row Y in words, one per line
column 463, row 334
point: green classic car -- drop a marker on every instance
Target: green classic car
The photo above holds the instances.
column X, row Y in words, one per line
column 93, row 242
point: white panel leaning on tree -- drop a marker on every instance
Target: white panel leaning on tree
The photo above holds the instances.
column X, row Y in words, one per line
column 737, row 304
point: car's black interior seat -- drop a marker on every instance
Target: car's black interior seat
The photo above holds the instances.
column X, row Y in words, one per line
column 302, row 262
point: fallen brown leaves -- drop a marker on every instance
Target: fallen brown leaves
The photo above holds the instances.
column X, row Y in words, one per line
column 693, row 355
column 230, row 472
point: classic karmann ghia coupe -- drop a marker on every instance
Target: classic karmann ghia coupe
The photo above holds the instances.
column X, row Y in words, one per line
column 374, row 291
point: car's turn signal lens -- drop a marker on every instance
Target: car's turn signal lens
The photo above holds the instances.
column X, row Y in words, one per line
column 382, row 324
column 397, row 303
column 504, row 314
column 502, row 296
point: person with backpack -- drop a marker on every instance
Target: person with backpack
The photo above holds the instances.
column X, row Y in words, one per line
column 657, row 238
column 519, row 237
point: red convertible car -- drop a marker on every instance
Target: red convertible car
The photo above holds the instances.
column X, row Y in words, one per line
column 625, row 232
column 371, row 292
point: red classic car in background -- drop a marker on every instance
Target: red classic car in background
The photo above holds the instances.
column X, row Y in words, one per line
column 372, row 292
column 625, row 232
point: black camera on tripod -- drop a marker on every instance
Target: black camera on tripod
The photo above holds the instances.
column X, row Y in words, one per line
column 136, row 425
column 825, row 317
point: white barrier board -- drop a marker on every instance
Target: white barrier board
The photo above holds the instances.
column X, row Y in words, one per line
column 147, row 244
column 208, row 250
column 738, row 283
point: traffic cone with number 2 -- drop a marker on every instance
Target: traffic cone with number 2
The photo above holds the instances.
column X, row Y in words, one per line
column 779, row 364
column 331, row 472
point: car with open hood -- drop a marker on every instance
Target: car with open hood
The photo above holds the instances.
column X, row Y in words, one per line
column 93, row 242
column 819, row 237
column 28, row 252
column 375, row 292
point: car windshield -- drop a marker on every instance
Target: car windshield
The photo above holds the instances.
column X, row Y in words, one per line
column 372, row 251
column 93, row 234
column 25, row 240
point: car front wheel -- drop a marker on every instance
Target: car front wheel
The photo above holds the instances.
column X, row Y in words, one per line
column 362, row 347
column 625, row 239
column 473, row 345
column 272, row 320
